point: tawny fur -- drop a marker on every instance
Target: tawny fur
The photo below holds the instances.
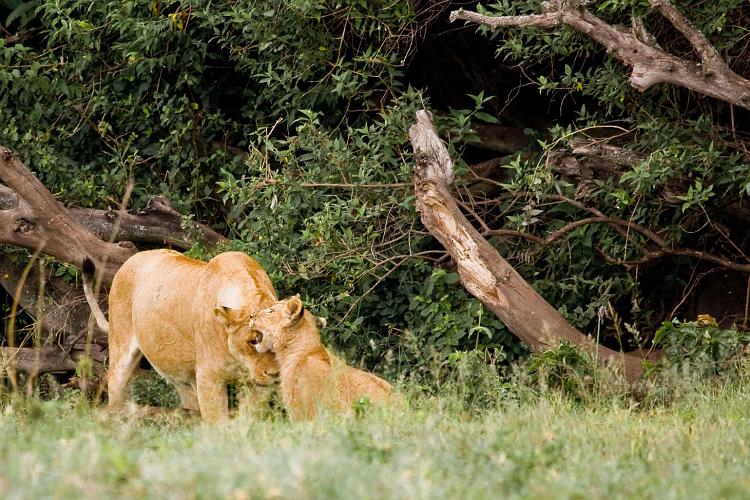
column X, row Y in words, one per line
column 190, row 320
column 312, row 379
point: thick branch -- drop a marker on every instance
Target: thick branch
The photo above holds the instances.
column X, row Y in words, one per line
column 40, row 222
column 650, row 64
column 36, row 360
column 158, row 223
column 484, row 273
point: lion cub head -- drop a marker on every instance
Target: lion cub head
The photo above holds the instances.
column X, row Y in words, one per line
column 282, row 324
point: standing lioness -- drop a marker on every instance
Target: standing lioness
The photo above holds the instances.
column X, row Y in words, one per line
column 311, row 377
column 190, row 319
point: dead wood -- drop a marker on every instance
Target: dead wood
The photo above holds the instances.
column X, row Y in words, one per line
column 36, row 361
column 483, row 272
column 39, row 222
column 650, row 64
column 61, row 308
column 31, row 218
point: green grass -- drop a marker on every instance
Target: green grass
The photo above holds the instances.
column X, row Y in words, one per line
column 518, row 445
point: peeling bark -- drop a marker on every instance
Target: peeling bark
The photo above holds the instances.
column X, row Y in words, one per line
column 483, row 272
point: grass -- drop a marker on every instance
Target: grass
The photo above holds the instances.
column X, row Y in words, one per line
column 461, row 444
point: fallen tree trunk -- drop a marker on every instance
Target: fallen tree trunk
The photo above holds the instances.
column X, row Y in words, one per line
column 484, row 273
column 36, row 360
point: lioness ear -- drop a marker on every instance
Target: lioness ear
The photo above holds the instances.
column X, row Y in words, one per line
column 222, row 313
column 294, row 308
column 320, row 322
column 228, row 315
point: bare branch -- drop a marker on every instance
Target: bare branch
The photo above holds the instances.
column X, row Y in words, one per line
column 708, row 54
column 650, row 64
column 664, row 248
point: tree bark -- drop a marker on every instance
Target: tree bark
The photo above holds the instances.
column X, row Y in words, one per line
column 483, row 272
column 39, row 223
column 36, row 360
column 63, row 311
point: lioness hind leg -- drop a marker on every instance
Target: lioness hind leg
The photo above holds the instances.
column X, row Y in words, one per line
column 123, row 361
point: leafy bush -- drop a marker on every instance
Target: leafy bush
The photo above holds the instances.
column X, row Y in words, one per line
column 702, row 346
column 282, row 124
column 152, row 390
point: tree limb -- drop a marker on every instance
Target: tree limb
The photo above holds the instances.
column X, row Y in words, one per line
column 36, row 360
column 483, row 272
column 39, row 222
column 30, row 217
column 650, row 64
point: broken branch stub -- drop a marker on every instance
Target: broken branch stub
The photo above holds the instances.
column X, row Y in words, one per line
column 483, row 272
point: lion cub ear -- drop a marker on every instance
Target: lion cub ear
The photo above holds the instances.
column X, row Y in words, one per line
column 294, row 308
column 320, row 322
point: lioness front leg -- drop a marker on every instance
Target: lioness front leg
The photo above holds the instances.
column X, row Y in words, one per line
column 188, row 397
column 212, row 397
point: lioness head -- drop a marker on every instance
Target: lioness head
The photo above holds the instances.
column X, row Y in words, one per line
column 276, row 327
column 235, row 318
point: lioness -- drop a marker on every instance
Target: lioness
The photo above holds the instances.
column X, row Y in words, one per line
column 311, row 377
column 190, row 319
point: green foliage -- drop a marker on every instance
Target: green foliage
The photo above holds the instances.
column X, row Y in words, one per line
column 703, row 347
column 688, row 163
column 152, row 390
column 566, row 369
column 283, row 124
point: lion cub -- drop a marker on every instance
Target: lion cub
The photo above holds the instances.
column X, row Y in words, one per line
column 311, row 377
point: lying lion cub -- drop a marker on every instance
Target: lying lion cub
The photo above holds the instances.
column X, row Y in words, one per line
column 311, row 377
